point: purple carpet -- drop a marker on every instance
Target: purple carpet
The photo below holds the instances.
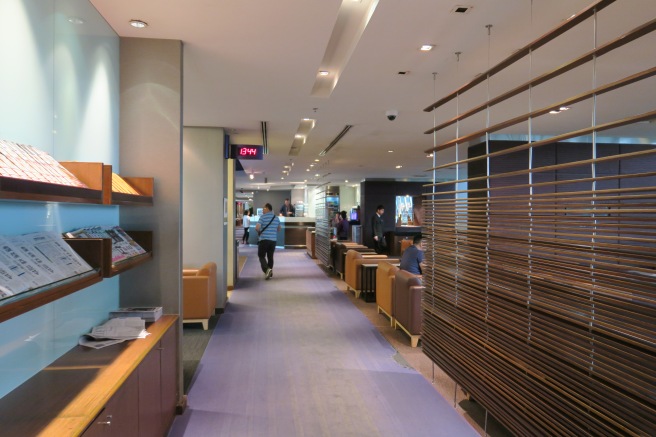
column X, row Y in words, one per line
column 292, row 356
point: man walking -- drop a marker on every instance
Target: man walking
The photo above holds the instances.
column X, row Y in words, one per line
column 377, row 229
column 267, row 228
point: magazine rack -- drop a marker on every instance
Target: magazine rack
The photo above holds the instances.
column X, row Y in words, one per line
column 98, row 176
column 90, row 251
column 108, row 269
column 97, row 252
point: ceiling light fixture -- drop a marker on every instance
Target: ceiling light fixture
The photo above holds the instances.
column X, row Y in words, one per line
column 559, row 110
column 302, row 132
column 390, row 151
column 399, row 166
column 324, row 73
column 76, row 20
column 427, row 47
column 251, row 176
column 139, row 24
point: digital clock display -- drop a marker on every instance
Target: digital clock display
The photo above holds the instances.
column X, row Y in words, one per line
column 240, row 151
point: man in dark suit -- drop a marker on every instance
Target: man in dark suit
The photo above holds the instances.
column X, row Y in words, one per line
column 287, row 209
column 377, row 229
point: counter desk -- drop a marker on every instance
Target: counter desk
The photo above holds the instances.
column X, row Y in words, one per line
column 292, row 233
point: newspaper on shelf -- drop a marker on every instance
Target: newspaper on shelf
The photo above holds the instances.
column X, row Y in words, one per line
column 123, row 246
column 34, row 260
column 114, row 331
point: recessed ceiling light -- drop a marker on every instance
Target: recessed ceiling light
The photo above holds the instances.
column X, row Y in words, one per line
column 346, row 181
column 307, row 169
column 323, row 73
column 76, row 20
column 139, row 24
column 399, row 166
column 316, row 175
column 251, row 176
column 563, row 108
column 427, row 47
column 316, row 160
column 390, row 151
column 430, row 155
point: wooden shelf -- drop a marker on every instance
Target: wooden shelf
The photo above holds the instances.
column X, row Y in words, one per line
column 95, row 175
column 144, row 186
column 21, row 189
column 29, row 300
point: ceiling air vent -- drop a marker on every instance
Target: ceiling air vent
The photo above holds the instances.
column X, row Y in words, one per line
column 336, row 139
column 462, row 9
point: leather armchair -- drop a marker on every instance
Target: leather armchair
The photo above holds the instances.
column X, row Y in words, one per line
column 199, row 294
column 352, row 270
column 341, row 248
column 385, row 279
column 407, row 304
column 310, row 242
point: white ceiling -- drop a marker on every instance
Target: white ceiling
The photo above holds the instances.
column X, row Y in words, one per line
column 247, row 61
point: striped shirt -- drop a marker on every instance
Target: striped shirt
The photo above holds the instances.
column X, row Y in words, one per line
column 271, row 231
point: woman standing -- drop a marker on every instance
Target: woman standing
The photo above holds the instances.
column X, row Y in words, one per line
column 247, row 225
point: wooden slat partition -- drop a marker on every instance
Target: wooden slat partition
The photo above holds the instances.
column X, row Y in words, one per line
column 323, row 226
column 540, row 276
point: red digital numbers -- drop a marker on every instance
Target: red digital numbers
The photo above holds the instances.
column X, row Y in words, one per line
column 248, row 151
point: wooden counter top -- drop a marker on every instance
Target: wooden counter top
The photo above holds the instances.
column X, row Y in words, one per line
column 65, row 397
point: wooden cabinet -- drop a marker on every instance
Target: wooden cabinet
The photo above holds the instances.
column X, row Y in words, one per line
column 120, row 417
column 158, row 387
column 128, row 389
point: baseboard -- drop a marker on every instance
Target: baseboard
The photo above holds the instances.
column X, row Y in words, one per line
column 182, row 405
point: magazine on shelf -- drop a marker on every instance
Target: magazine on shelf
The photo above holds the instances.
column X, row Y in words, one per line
column 21, row 161
column 119, row 185
column 149, row 314
column 123, row 246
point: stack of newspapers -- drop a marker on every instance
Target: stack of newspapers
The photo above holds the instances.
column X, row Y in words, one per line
column 114, row 331
column 34, row 260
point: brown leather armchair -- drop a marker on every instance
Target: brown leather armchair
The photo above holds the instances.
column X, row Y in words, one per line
column 385, row 278
column 310, row 242
column 341, row 247
column 407, row 304
column 199, row 294
column 352, row 270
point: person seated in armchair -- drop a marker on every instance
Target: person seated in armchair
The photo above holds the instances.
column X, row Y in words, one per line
column 413, row 256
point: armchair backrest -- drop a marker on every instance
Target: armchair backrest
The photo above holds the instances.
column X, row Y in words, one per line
column 385, row 279
column 407, row 300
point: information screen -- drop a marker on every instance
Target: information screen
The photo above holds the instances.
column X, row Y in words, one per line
column 240, row 151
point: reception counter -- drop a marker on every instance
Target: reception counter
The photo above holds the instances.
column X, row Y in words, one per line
column 291, row 234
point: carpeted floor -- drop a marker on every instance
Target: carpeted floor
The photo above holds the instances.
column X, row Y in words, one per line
column 293, row 357
column 367, row 373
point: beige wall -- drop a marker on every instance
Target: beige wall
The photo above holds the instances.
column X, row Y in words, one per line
column 203, row 209
column 151, row 146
